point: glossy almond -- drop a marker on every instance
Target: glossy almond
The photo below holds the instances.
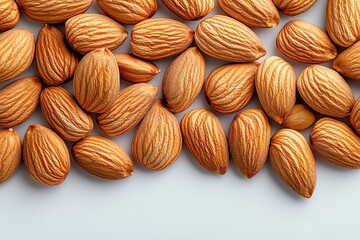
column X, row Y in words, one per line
column 190, row 9
column 355, row 116
column 348, row 62
column 300, row 118
column 10, row 153
column 293, row 7
column 9, row 14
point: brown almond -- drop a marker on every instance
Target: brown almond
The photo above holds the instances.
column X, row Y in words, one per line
column 190, row 9
column 293, row 7
column 9, row 14
column 348, row 62
column 355, row 116
column 300, row 118
column 10, row 153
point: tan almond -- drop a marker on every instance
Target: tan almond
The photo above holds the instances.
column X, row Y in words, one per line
column 10, row 153
column 64, row 115
column 96, row 81
column 190, row 9
column 249, row 141
column 55, row 61
column 184, row 80
column 293, row 7
column 355, row 116
column 348, row 62
column 206, row 140
column 336, row 142
column 276, row 88
column 46, row 156
column 18, row 101
column 230, row 88
column 300, row 118
column 87, row 32
column 293, row 161
column 159, row 38
column 305, row 42
column 129, row 108
column 103, row 158
column 17, row 47
column 325, row 91
column 225, row 38
column 9, row 14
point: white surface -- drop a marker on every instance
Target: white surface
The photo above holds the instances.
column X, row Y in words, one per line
column 184, row 201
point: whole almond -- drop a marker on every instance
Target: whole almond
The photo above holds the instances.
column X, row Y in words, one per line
column 336, row 142
column 190, row 9
column 276, row 88
column 227, row 39
column 87, row 32
column 53, row 11
column 96, row 81
column 9, row 14
column 305, row 42
column 184, row 80
column 129, row 11
column 129, row 108
column 103, row 157
column 249, row 141
column 55, row 62
column 64, row 115
column 253, row 13
column 325, row 91
column 300, row 118
column 206, row 140
column 292, row 159
column 46, row 156
column 10, row 153
column 355, row 116
column 135, row 70
column 348, row 62
column 17, row 47
column 293, row 7
column 18, row 101
column 150, row 39
column 230, row 88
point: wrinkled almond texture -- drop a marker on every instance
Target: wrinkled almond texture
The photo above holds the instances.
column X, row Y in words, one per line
column 9, row 14
column 300, row 118
column 348, row 62
column 293, row 7
column 355, row 116
column 190, row 9
column 10, row 153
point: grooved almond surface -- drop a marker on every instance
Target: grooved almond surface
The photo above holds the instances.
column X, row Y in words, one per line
column 190, row 9
column 355, row 116
column 293, row 7
column 10, row 153
column 9, row 14
column 348, row 62
column 300, row 118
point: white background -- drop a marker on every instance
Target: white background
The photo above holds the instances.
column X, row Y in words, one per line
column 184, row 201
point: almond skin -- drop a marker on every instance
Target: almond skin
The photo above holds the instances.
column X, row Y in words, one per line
column 348, row 62
column 159, row 38
column 157, row 142
column 336, row 142
column 129, row 11
column 64, row 115
column 96, row 81
column 55, row 61
column 253, row 13
column 206, row 140
column 53, row 11
column 325, row 91
column 293, row 7
column 17, row 47
column 87, row 32
column 190, row 9
column 18, row 101
column 10, row 153
column 46, row 156
column 293, row 161
column 249, row 141
column 9, row 14
column 103, row 158
column 129, row 108
column 305, row 42
column 225, row 38
column 230, row 88
column 184, row 80
column 355, row 116
column 300, row 118
column 276, row 88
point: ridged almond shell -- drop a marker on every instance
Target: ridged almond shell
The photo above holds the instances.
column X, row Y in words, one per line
column 9, row 14
column 300, row 118
column 348, row 62
column 293, row 7
column 10, row 153
column 355, row 116
column 190, row 9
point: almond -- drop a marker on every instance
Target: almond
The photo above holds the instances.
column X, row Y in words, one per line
column 64, row 115
column 55, row 62
column 336, row 142
column 253, row 13
column 348, row 62
column 10, row 153
column 276, row 88
column 249, row 141
column 9, row 14
column 184, row 80
column 159, row 38
column 17, row 47
column 135, row 70
column 230, row 88
column 355, row 116
column 53, row 11
column 343, row 21
column 305, row 42
column 157, row 142
column 130, row 11
column 325, row 91
column 227, row 39
column 206, row 140
column 18, row 101
column 129, row 108
column 292, row 159
column 103, row 158
column 87, row 32
column 190, row 9
column 96, row 81
column 300, row 118
column 293, row 7
column 46, row 156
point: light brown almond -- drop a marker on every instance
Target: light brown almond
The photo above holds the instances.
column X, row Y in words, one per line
column 9, row 14
column 355, row 116
column 348, row 62
column 10, row 153
column 294, row 7
column 300, row 118
column 190, row 9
